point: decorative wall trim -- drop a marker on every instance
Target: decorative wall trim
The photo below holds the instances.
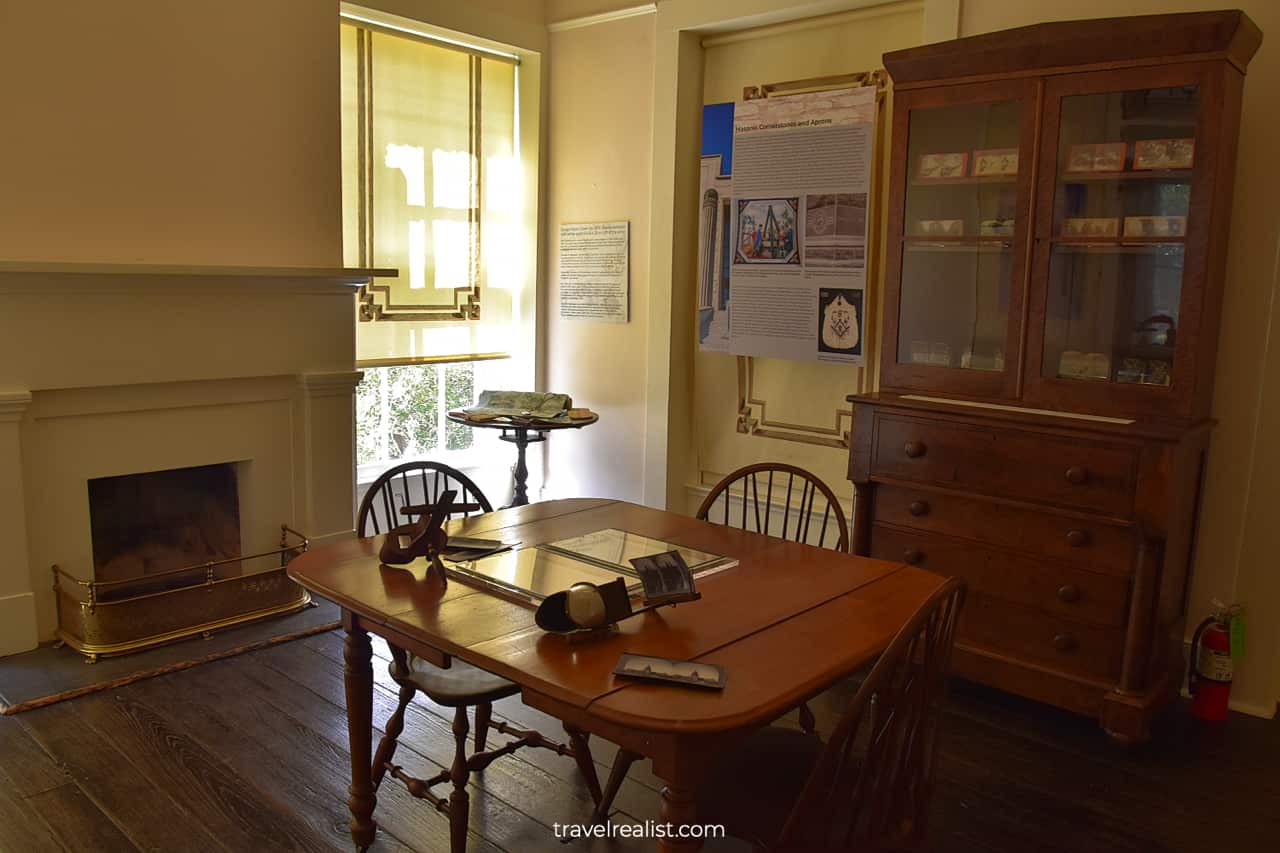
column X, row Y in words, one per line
column 602, row 18
column 13, row 404
column 750, row 424
column 330, row 384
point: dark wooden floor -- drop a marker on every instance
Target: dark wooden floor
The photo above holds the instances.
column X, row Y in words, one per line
column 250, row 754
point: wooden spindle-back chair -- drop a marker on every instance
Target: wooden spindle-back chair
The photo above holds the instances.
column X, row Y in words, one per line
column 460, row 685
column 811, row 512
column 414, row 484
column 873, row 783
column 868, row 788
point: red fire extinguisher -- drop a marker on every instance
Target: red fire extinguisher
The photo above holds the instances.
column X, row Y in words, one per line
column 1211, row 669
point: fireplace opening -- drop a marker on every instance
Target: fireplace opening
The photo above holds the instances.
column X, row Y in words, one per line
column 167, row 563
column 158, row 521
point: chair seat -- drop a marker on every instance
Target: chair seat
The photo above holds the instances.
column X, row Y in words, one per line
column 461, row 684
column 751, row 791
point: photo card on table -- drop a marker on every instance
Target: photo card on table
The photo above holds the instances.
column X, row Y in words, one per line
column 691, row 673
column 664, row 578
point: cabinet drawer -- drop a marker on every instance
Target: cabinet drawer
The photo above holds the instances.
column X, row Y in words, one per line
column 1041, row 637
column 1011, row 463
column 1101, row 547
column 1068, row 592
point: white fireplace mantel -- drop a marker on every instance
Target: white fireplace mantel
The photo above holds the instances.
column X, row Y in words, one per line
column 116, row 369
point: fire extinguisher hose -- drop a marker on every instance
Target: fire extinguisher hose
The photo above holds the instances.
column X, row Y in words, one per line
column 1193, row 677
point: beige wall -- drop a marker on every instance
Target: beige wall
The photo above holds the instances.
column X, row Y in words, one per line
column 600, row 130
column 161, row 132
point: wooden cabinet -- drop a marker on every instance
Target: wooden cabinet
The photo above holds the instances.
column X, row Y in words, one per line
column 1057, row 224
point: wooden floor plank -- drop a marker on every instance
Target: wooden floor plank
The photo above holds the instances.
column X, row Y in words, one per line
column 239, row 733
column 77, row 823
column 501, row 797
column 133, row 799
column 518, row 786
column 285, row 731
column 241, row 815
column 22, row 829
column 26, row 769
column 251, row 754
column 638, row 799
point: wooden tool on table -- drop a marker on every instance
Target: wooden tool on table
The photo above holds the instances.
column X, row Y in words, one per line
column 426, row 536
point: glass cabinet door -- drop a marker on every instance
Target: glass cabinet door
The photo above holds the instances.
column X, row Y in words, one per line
column 1116, row 238
column 958, row 241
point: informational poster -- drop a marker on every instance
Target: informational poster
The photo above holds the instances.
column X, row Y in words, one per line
column 797, row 226
column 594, row 271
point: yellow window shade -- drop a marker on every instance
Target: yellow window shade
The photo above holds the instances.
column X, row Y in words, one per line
column 432, row 186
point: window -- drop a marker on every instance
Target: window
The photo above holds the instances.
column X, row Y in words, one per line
column 432, row 186
column 400, row 412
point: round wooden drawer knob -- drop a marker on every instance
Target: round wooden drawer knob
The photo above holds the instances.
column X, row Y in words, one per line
column 1077, row 475
column 914, row 449
column 1064, row 642
column 1070, row 593
column 919, row 508
column 1077, row 538
column 913, row 556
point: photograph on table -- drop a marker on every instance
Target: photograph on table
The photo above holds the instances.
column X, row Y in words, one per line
column 768, row 231
column 664, row 577
column 688, row 672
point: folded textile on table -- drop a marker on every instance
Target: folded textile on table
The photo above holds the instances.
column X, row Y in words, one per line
column 524, row 406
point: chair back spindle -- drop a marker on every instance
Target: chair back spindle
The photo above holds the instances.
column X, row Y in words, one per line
column 414, row 484
column 810, row 511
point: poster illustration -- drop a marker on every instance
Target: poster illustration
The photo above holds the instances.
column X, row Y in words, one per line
column 839, row 312
column 767, row 231
column 715, row 241
column 800, row 185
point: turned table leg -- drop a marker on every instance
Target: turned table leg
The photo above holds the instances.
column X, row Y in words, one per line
column 679, row 808
column 358, row 675
column 459, row 800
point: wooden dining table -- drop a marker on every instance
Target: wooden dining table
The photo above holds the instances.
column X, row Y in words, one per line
column 785, row 623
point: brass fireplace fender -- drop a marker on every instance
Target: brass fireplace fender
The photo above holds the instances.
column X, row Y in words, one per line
column 95, row 623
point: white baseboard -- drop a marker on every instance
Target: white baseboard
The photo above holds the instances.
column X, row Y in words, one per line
column 18, row 624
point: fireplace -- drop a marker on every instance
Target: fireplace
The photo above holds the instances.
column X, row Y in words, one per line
column 167, row 563
column 158, row 425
